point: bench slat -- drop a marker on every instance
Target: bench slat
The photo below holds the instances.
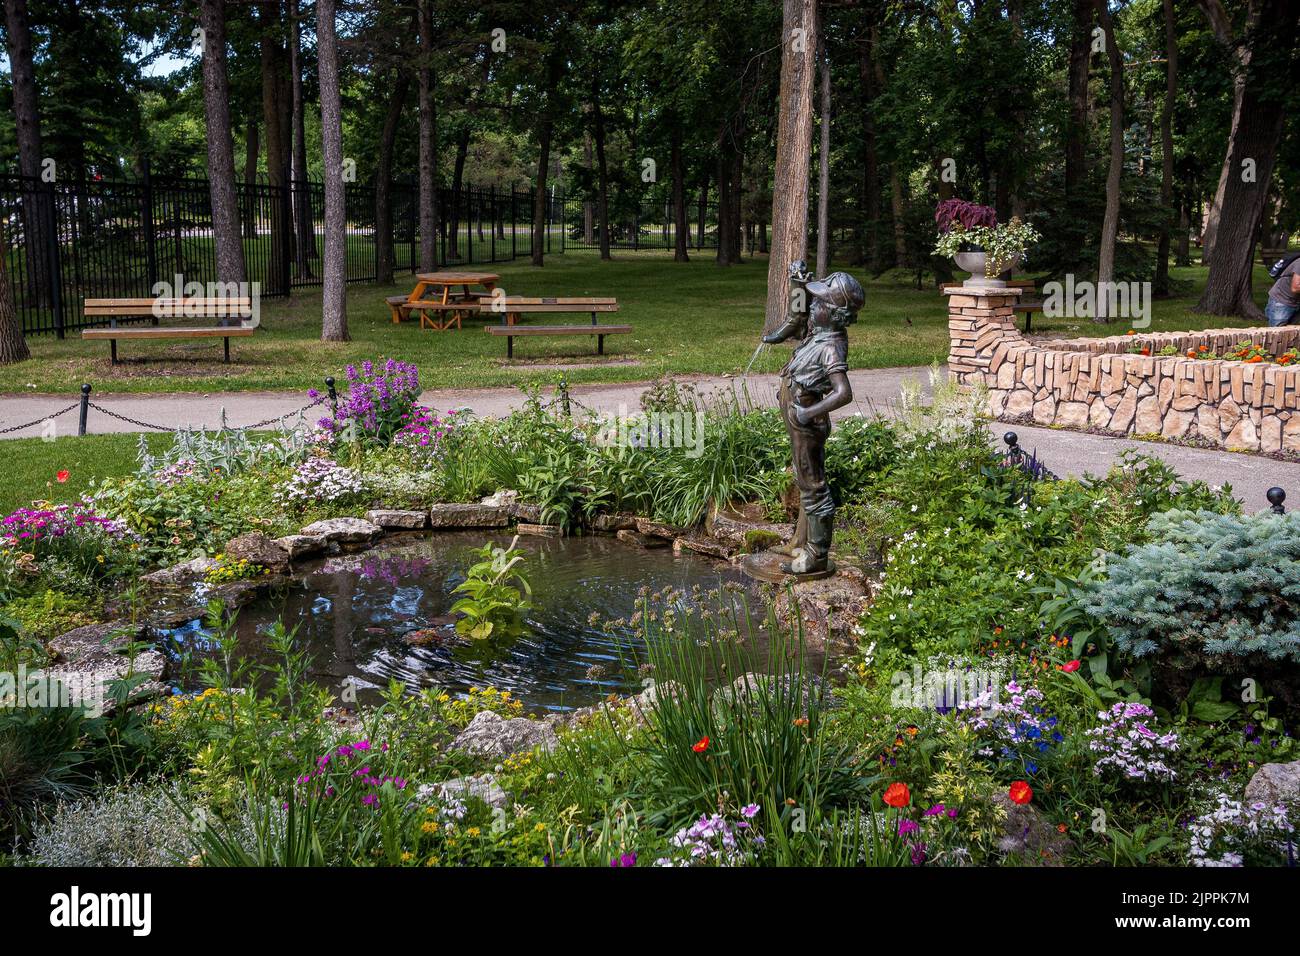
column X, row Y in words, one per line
column 150, row 332
column 513, row 330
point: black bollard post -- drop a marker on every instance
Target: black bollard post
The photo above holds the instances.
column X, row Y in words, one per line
column 1014, row 451
column 333, row 394
column 85, row 409
column 1275, row 498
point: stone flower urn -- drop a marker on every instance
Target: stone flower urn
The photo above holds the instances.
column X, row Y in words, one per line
column 974, row 263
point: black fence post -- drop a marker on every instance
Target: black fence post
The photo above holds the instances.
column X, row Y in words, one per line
column 54, row 268
column 85, row 409
column 146, row 221
column 514, row 222
column 1275, row 498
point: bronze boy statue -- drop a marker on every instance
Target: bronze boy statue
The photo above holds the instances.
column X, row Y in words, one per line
column 814, row 383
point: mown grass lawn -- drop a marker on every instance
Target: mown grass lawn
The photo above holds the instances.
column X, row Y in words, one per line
column 29, row 467
column 687, row 318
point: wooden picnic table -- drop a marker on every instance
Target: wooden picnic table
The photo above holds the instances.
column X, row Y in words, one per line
column 441, row 284
column 434, row 289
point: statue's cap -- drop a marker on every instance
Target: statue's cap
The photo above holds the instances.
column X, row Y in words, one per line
column 840, row 289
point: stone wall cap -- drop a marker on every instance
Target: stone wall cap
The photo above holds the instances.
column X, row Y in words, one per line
column 1010, row 290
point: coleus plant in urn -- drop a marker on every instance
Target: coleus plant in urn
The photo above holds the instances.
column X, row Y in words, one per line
column 972, row 236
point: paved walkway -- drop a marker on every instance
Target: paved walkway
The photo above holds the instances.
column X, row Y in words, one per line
column 1065, row 452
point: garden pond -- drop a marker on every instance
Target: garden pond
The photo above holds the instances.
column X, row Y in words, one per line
column 385, row 614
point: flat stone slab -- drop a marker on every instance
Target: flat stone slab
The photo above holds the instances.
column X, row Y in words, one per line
column 526, row 513
column 541, row 530
column 344, row 530
column 733, row 528
column 469, row 516
column 640, row 540
column 612, row 524
column 703, row 545
column 299, row 546
column 658, row 529
column 187, row 572
column 90, row 657
column 392, row 518
column 256, row 548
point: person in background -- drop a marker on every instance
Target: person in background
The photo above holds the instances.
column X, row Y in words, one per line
column 1284, row 297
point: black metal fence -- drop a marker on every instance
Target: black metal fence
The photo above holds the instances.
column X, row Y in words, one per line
column 69, row 241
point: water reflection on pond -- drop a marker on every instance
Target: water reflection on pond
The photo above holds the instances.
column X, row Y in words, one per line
column 384, row 614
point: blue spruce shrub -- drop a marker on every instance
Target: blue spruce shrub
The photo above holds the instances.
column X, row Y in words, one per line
column 1206, row 587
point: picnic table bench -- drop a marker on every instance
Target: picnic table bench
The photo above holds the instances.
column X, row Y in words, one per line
column 512, row 308
column 444, row 301
column 235, row 313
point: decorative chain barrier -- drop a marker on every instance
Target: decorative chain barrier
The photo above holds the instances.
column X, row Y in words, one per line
column 39, row 421
column 85, row 404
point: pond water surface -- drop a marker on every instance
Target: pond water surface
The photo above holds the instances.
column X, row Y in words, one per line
column 355, row 615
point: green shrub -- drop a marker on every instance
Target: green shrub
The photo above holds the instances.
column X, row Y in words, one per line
column 132, row 825
column 1206, row 586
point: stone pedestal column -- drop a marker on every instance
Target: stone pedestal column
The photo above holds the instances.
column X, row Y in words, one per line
column 980, row 319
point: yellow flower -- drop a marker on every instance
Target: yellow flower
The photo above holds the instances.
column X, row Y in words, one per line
column 473, row 831
column 408, row 856
column 430, row 826
column 541, row 827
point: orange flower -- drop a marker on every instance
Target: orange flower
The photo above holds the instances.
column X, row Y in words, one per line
column 61, row 477
column 1146, row 351
column 1020, row 792
column 701, row 745
column 897, row 795
column 1131, row 332
column 1070, row 667
column 801, row 721
column 1060, row 828
column 1191, row 353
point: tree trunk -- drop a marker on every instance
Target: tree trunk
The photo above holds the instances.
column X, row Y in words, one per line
column 27, row 119
column 221, row 150
column 588, row 207
column 13, row 347
column 1110, row 221
column 457, row 200
column 824, row 168
column 251, row 151
column 1269, row 52
column 305, row 244
column 602, row 176
column 870, row 241
column 1182, row 251
column 1076, row 133
column 680, row 227
column 334, row 305
column 428, row 143
column 1221, row 27
column 384, row 256
column 1161, row 286
column 278, row 143
column 793, row 148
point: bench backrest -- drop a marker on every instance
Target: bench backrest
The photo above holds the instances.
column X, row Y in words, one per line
column 225, row 307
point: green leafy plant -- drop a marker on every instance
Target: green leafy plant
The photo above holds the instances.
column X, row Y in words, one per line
column 495, row 592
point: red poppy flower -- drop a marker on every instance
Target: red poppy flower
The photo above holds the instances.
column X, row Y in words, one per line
column 61, row 477
column 1020, row 792
column 701, row 745
column 897, row 795
column 1070, row 666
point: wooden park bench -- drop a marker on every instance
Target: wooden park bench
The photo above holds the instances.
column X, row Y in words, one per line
column 236, row 308
column 1027, row 307
column 511, row 309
